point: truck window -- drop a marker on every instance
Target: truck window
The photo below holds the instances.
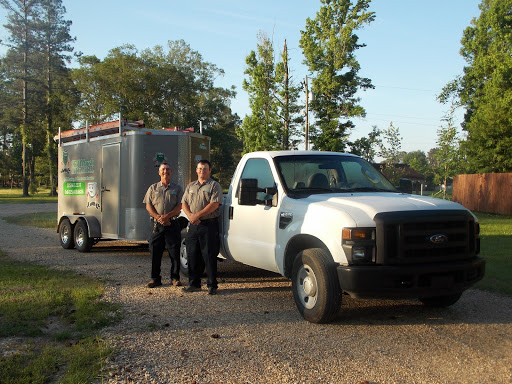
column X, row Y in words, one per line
column 259, row 169
column 318, row 173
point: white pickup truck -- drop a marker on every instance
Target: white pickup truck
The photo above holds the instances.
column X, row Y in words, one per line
column 334, row 225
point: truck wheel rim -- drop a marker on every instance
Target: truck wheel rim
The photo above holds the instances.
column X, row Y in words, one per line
column 183, row 257
column 307, row 286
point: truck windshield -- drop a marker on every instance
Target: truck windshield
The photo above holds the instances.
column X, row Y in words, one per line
column 308, row 174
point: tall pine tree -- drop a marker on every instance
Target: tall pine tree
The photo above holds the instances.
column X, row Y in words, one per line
column 329, row 44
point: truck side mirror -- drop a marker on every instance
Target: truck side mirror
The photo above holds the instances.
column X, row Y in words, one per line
column 248, row 191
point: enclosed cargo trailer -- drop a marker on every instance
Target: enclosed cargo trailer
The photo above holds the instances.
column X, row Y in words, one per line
column 105, row 171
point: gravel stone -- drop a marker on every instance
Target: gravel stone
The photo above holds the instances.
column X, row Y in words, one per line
column 251, row 332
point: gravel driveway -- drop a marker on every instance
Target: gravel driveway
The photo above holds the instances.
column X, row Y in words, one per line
column 251, row 332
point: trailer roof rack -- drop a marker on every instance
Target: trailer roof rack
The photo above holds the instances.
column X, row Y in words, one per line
column 108, row 128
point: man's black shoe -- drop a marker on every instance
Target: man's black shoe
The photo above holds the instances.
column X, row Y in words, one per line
column 212, row 291
column 154, row 283
column 191, row 288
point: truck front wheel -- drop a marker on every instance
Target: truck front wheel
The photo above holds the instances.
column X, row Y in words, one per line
column 315, row 286
column 66, row 234
column 82, row 240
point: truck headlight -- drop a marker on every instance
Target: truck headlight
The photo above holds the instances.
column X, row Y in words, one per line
column 359, row 245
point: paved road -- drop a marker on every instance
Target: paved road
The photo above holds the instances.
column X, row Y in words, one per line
column 251, row 332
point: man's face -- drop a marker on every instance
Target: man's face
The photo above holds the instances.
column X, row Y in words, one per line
column 203, row 171
column 165, row 173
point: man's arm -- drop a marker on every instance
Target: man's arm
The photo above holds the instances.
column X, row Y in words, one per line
column 189, row 214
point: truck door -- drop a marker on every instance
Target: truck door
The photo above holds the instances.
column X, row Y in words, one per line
column 251, row 229
column 110, row 190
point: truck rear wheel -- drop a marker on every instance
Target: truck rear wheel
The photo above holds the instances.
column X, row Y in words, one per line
column 441, row 301
column 66, row 234
column 82, row 240
column 315, row 286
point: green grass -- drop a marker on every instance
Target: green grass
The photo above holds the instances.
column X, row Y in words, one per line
column 58, row 315
column 496, row 248
column 40, row 219
column 14, row 196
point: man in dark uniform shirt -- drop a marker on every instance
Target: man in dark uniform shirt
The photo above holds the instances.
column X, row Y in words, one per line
column 201, row 201
column 163, row 202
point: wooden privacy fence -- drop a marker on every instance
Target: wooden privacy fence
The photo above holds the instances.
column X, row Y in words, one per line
column 486, row 192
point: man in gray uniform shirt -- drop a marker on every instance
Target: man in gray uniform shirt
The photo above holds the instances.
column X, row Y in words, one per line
column 200, row 203
column 163, row 202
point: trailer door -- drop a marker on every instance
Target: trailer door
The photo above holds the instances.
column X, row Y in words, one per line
column 110, row 176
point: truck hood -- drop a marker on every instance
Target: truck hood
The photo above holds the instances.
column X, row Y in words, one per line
column 363, row 207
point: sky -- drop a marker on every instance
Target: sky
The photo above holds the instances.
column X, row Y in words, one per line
column 412, row 48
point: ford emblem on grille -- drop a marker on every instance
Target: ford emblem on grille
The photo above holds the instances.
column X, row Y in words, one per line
column 438, row 239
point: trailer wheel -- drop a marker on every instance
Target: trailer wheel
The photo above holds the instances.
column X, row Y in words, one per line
column 441, row 301
column 315, row 286
column 82, row 240
column 66, row 234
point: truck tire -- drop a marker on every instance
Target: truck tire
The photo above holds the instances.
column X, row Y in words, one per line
column 66, row 234
column 441, row 301
column 81, row 234
column 183, row 259
column 315, row 286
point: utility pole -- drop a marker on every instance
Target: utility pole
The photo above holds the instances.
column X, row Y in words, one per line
column 307, row 113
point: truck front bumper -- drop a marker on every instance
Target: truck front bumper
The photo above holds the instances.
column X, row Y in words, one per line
column 410, row 281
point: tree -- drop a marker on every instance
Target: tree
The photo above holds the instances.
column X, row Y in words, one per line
column 260, row 129
column 447, row 157
column 287, row 98
column 390, row 150
column 162, row 87
column 485, row 88
column 365, row 146
column 23, row 20
column 329, row 44
column 55, row 40
column 273, row 98
column 165, row 88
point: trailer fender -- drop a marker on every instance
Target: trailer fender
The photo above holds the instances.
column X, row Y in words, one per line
column 93, row 224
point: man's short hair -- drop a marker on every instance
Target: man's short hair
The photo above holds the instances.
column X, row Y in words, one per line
column 204, row 161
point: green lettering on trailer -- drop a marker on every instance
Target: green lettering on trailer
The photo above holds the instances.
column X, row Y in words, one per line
column 74, row 188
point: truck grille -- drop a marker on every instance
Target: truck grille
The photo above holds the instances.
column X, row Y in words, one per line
column 425, row 237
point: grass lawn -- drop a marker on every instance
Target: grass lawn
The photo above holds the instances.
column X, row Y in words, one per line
column 54, row 323
column 14, row 196
column 496, row 248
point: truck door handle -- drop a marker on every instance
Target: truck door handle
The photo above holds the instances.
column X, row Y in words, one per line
column 231, row 212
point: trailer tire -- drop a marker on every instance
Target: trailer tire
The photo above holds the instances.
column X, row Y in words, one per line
column 81, row 234
column 66, row 234
column 315, row 286
column 441, row 301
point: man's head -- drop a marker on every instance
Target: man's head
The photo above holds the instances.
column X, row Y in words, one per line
column 203, row 170
column 165, row 173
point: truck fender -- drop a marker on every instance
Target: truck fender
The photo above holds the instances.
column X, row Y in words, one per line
column 93, row 224
column 297, row 244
